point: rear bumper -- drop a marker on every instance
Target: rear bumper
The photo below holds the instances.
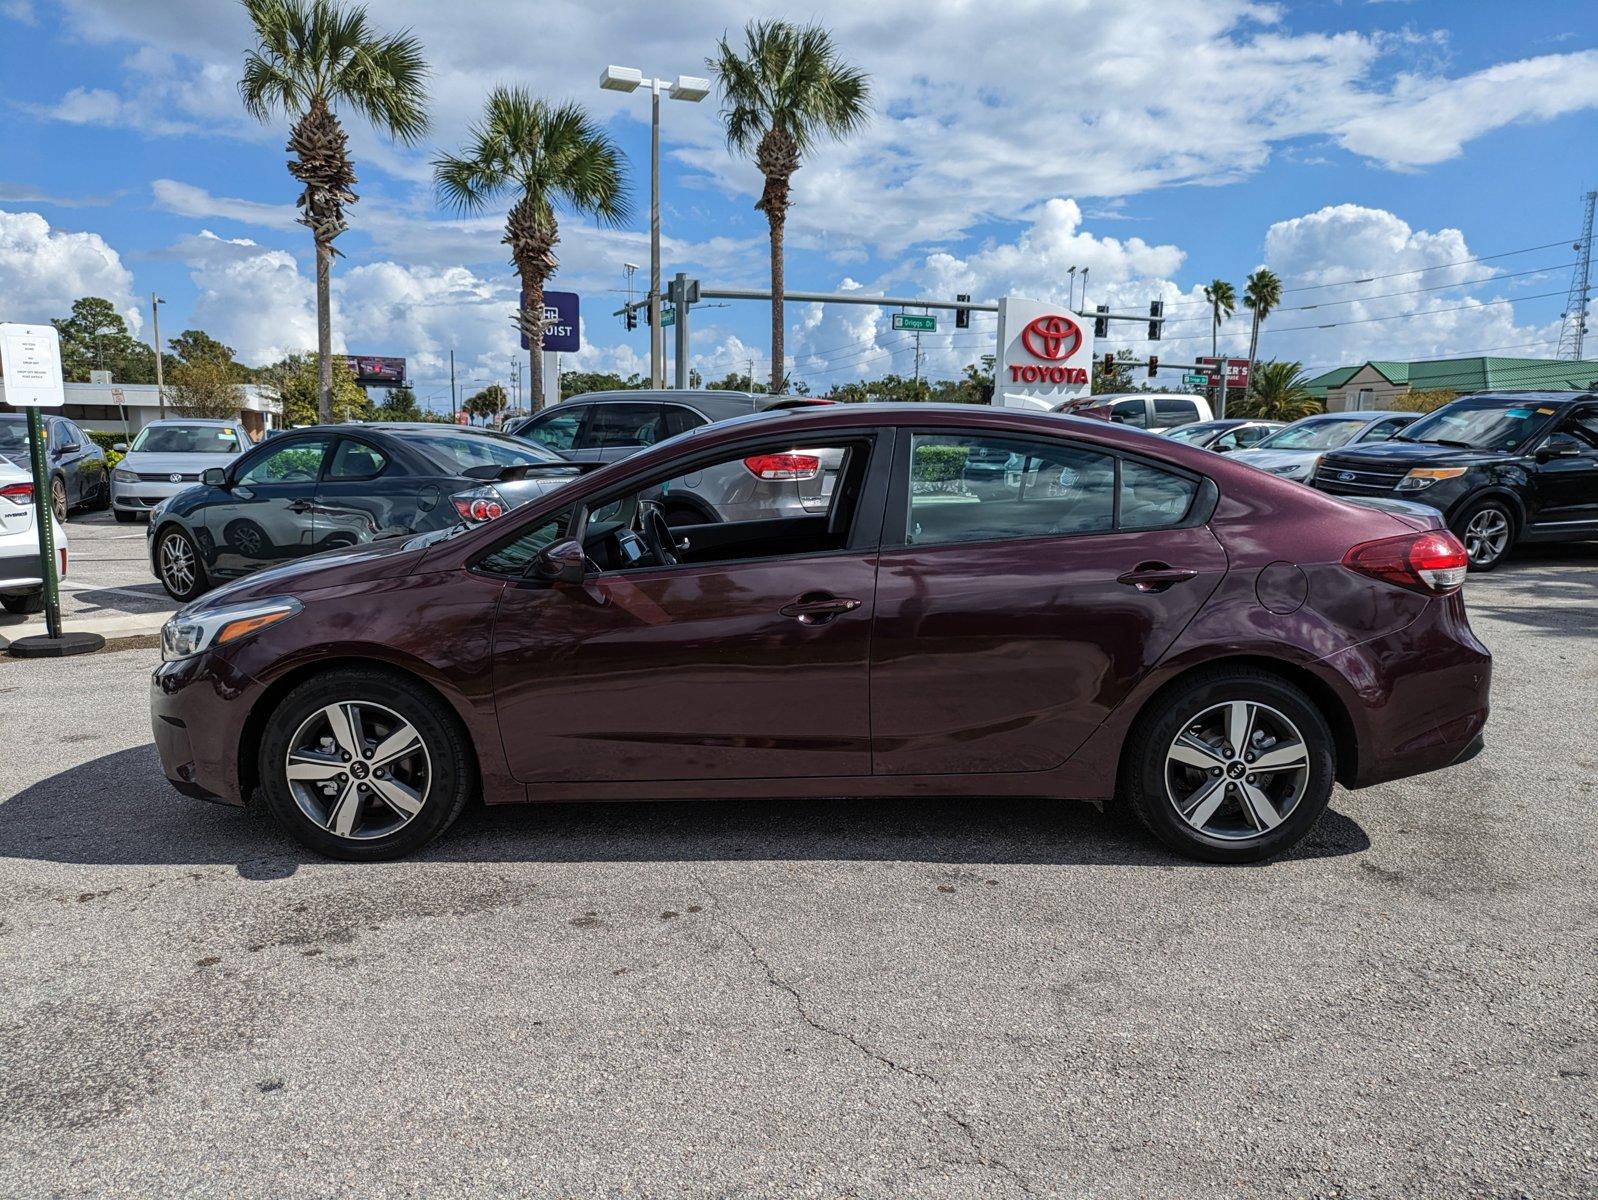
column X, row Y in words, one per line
column 1418, row 697
column 198, row 710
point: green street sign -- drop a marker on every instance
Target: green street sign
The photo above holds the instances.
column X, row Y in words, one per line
column 912, row 323
column 1195, row 380
column 668, row 316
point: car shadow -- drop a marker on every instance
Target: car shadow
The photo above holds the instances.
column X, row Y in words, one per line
column 1557, row 605
column 118, row 810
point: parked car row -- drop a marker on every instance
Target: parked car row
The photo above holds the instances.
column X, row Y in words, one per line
column 78, row 475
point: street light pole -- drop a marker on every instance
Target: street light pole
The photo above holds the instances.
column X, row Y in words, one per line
column 693, row 90
column 160, row 383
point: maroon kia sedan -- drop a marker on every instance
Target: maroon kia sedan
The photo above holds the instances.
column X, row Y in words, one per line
column 991, row 602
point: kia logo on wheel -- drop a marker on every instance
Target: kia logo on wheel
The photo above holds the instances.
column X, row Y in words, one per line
column 1051, row 337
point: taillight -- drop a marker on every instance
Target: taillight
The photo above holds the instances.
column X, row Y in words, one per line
column 479, row 505
column 783, row 466
column 18, row 493
column 1433, row 562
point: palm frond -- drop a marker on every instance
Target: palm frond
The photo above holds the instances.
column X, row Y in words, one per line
column 791, row 80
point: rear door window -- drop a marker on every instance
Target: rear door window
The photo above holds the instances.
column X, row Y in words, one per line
column 614, row 425
column 1383, row 430
column 1151, row 498
column 1130, row 412
column 559, row 430
column 1174, row 412
column 355, row 460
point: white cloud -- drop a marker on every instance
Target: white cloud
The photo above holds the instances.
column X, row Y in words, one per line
column 252, row 298
column 42, row 271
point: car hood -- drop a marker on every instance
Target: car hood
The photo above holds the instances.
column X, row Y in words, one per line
column 170, row 464
column 1411, row 454
column 332, row 568
column 1266, row 459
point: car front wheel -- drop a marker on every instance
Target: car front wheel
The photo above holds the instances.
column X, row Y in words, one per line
column 1488, row 531
column 1233, row 765
column 177, row 563
column 359, row 764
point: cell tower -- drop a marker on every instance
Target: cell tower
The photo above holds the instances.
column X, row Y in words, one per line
column 1574, row 331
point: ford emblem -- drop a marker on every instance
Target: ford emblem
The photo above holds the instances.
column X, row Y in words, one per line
column 1346, row 476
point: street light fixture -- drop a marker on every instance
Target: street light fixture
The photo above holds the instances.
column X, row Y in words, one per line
column 692, row 89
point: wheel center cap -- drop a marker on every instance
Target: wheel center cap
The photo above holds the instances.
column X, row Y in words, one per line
column 359, row 770
column 1234, row 770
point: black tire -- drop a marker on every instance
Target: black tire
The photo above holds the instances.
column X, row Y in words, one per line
column 1486, row 514
column 102, row 495
column 58, row 499
column 450, row 765
column 173, row 579
column 1144, row 786
column 126, row 517
column 679, row 515
column 21, row 606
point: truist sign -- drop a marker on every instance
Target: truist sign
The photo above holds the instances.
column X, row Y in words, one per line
column 1045, row 354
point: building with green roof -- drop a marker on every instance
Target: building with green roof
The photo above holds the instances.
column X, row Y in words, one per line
column 1376, row 384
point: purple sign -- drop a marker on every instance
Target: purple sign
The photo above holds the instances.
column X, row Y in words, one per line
column 560, row 323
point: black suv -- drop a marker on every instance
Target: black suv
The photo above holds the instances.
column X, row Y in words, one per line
column 1502, row 469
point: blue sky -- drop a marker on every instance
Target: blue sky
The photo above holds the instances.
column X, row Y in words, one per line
column 1160, row 143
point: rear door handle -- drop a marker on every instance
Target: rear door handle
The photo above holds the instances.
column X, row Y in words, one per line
column 1155, row 576
column 817, row 608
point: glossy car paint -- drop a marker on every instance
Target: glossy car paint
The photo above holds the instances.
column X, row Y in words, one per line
column 74, row 460
column 705, row 693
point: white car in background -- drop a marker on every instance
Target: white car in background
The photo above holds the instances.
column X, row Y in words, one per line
column 21, row 587
column 1295, row 452
column 168, row 456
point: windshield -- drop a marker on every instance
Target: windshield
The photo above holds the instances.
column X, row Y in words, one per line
column 186, row 439
column 1196, row 432
column 1324, row 434
column 1485, row 424
column 455, row 452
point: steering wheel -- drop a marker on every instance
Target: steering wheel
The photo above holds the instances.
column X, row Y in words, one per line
column 652, row 519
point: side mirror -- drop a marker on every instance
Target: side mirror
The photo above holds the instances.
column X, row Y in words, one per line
column 120, row 447
column 1560, row 445
column 214, row 477
column 67, row 448
column 560, row 562
column 1224, row 448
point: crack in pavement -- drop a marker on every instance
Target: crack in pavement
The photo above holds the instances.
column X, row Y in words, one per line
column 987, row 1160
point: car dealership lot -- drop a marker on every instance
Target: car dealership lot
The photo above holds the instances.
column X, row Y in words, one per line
column 816, row 998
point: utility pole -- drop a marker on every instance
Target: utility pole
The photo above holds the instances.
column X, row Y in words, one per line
column 160, row 383
column 452, row 385
column 918, row 361
column 1574, row 330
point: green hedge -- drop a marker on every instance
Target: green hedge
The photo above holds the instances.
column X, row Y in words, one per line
column 105, row 440
column 938, row 464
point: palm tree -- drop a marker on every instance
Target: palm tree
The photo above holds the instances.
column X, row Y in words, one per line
column 549, row 156
column 1223, row 303
column 310, row 55
column 1276, row 392
column 789, row 88
column 1261, row 294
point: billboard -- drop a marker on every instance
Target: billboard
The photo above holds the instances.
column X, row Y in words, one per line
column 1236, row 372
column 1045, row 355
column 372, row 370
column 560, row 323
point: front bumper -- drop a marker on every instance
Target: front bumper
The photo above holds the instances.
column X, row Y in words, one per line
column 144, row 495
column 198, row 710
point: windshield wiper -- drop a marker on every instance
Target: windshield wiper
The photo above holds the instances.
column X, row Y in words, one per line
column 1444, row 442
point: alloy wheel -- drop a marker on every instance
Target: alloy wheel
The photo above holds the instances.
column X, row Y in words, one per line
column 58, row 500
column 177, row 563
column 1487, row 536
column 1237, row 770
column 358, row 770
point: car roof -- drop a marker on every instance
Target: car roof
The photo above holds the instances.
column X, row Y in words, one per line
column 1521, row 397
column 1363, row 414
column 712, row 402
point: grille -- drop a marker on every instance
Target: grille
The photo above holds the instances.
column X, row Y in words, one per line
column 1361, row 481
column 166, row 477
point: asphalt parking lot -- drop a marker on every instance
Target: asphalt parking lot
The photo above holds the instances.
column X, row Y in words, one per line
column 808, row 998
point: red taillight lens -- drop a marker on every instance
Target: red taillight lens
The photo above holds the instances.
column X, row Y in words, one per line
column 479, row 505
column 1432, row 562
column 18, row 493
column 783, row 466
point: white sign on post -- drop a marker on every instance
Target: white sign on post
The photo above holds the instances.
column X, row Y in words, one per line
column 30, row 357
column 1045, row 355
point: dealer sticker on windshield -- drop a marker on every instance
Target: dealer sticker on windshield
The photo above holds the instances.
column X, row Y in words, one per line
column 1520, row 414
column 1545, row 412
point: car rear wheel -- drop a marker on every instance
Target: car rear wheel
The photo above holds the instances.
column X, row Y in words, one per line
column 1232, row 766
column 177, row 563
column 19, row 606
column 58, row 498
column 358, row 764
column 1488, row 531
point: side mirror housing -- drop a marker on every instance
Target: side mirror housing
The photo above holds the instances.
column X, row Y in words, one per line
column 120, row 447
column 1559, row 445
column 560, row 562
column 67, row 448
column 214, row 477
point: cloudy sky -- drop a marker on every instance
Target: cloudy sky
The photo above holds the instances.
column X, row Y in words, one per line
column 1412, row 170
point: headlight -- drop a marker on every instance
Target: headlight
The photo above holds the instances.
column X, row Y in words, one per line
column 188, row 634
column 1424, row 477
column 1289, row 469
column 122, row 476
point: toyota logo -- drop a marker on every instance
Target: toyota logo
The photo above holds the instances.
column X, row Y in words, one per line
column 1051, row 337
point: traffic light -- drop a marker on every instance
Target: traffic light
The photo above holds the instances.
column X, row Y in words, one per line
column 1156, row 319
column 1101, row 325
column 1154, row 365
column 1109, row 364
column 962, row 316
column 632, row 319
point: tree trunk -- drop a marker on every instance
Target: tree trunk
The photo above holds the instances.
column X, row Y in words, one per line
column 1253, row 342
column 324, row 334
column 532, row 320
column 778, row 283
column 531, row 237
column 1215, row 330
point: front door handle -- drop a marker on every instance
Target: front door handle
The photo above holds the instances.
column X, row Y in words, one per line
column 817, row 608
column 1155, row 576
